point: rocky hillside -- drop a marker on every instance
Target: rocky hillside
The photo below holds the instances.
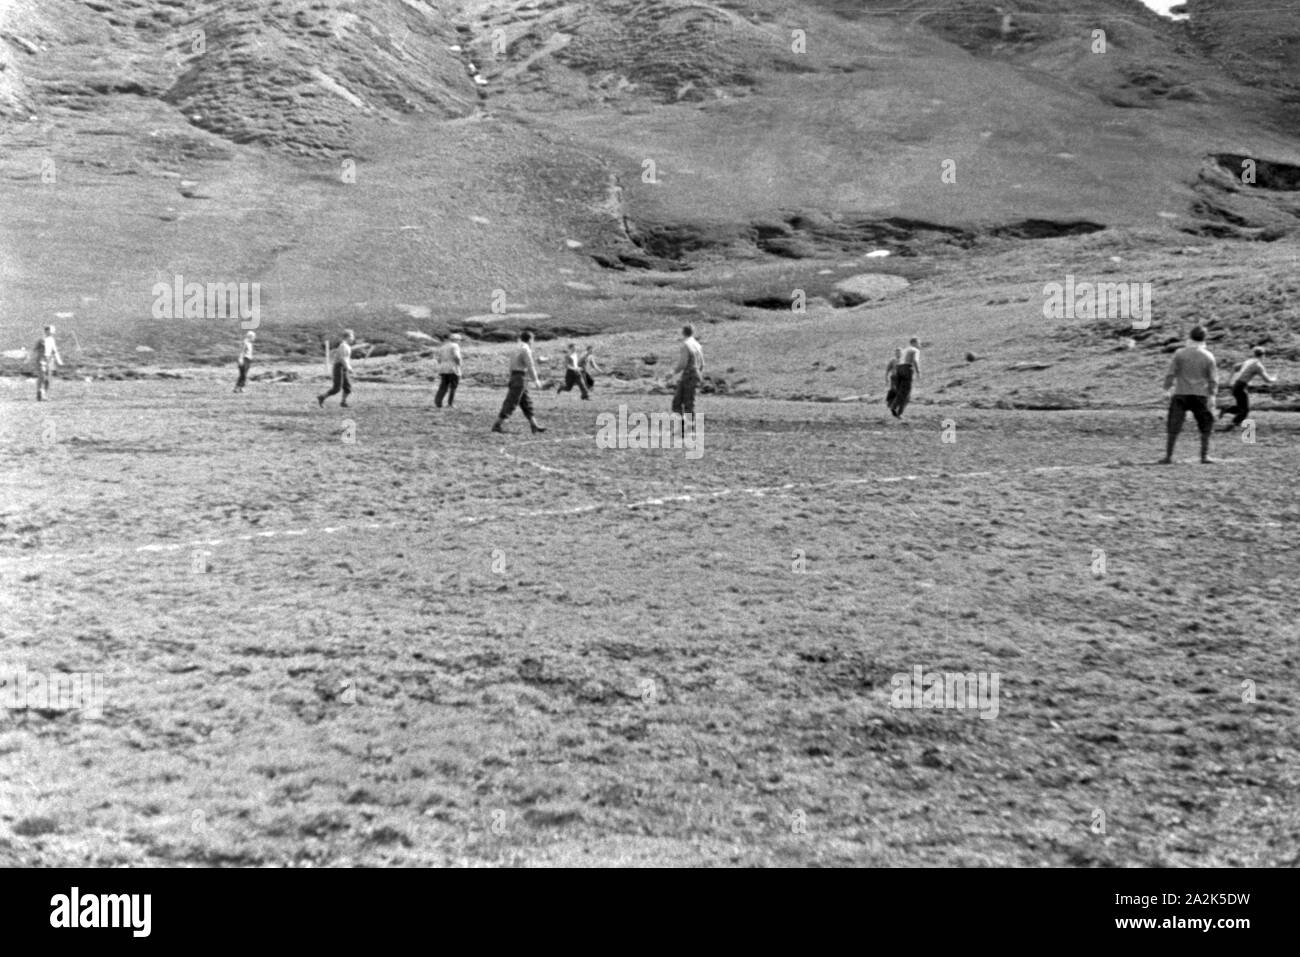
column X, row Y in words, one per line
column 1259, row 44
column 290, row 75
column 487, row 163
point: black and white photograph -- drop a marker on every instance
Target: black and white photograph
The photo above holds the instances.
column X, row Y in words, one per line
column 640, row 434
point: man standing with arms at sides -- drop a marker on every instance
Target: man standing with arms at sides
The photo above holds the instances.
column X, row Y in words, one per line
column 909, row 366
column 1194, row 380
column 690, row 370
column 47, row 357
column 589, row 368
column 342, row 370
column 572, row 373
column 448, row 371
column 521, row 364
column 1240, row 391
column 245, row 359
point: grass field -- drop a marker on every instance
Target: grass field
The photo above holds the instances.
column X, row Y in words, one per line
column 432, row 645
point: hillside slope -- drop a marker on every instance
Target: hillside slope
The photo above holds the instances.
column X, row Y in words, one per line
column 407, row 168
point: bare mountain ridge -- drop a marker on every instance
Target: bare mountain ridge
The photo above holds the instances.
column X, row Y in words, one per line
column 292, row 73
column 293, row 76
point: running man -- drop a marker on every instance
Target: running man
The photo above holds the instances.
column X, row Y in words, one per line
column 47, row 357
column 573, row 373
column 449, row 360
column 909, row 367
column 891, row 378
column 589, row 368
column 245, row 359
column 690, row 368
column 1240, row 391
column 1194, row 379
column 521, row 364
column 342, row 370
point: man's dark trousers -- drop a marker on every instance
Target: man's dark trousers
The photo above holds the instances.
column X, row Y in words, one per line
column 447, row 388
column 573, row 377
column 342, row 382
column 902, row 389
column 517, row 396
column 1179, row 406
column 1241, row 410
column 684, row 397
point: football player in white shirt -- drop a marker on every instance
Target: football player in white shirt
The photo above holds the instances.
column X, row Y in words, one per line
column 1240, row 391
column 449, row 360
column 342, row 370
column 245, row 359
column 47, row 357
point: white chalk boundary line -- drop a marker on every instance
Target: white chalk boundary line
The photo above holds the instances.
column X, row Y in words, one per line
column 787, row 489
column 537, row 465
